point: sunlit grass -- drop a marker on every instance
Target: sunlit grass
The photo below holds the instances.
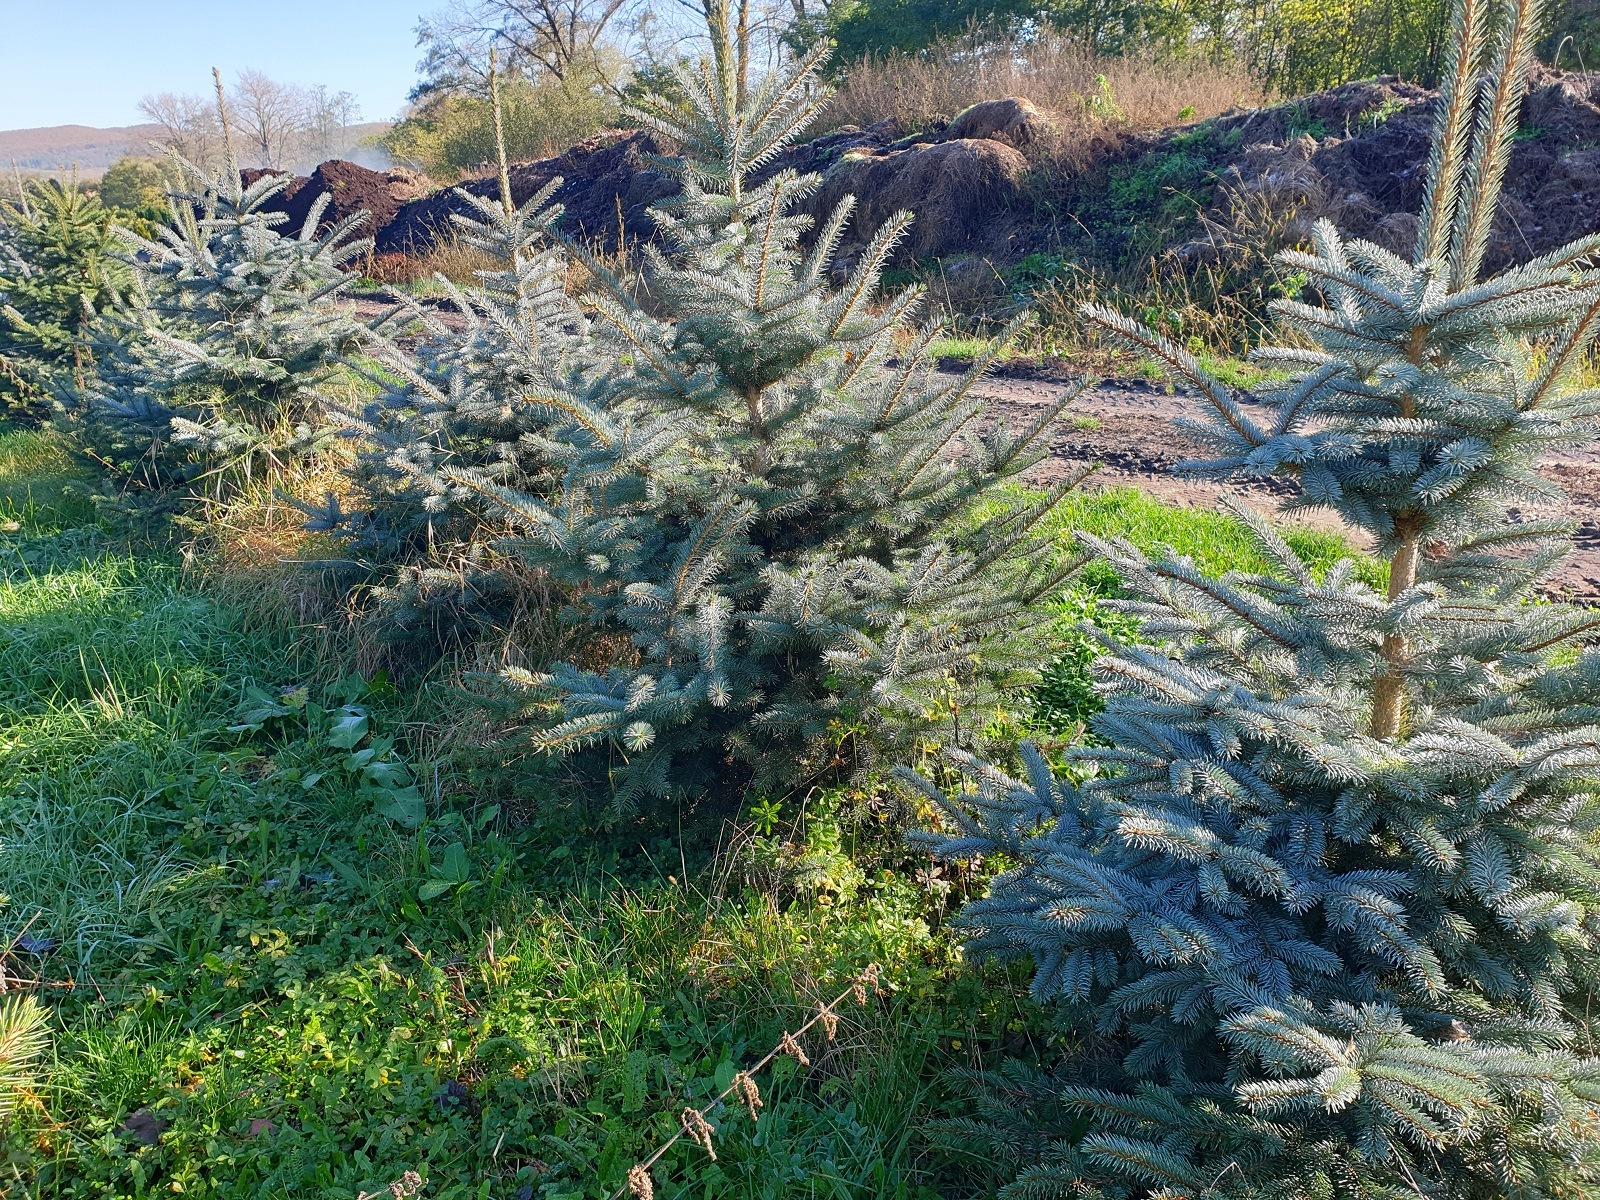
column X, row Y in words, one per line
column 39, row 482
column 258, row 978
column 301, row 999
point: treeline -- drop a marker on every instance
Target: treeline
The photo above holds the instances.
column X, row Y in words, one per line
column 1291, row 46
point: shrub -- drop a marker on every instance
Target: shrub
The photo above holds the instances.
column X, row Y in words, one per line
column 56, row 258
column 1291, row 46
column 138, row 185
column 451, row 135
column 1317, row 897
column 751, row 506
column 209, row 365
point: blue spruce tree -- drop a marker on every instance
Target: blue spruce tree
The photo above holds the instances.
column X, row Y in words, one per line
column 451, row 396
column 742, row 473
column 208, row 366
column 1316, row 902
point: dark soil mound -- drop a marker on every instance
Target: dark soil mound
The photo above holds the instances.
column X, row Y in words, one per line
column 281, row 200
column 350, row 188
column 608, row 184
column 1355, row 154
column 1358, row 155
column 959, row 193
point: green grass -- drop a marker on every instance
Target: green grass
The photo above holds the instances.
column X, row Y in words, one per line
column 1240, row 373
column 1065, row 699
column 962, row 349
column 1215, row 541
column 255, row 968
column 294, row 995
column 39, row 482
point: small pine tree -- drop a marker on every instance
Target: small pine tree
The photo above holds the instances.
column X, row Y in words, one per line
column 24, row 1036
column 1322, row 891
column 754, row 506
column 446, row 403
column 210, row 364
column 57, row 265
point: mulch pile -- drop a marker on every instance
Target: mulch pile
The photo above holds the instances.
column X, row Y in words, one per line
column 351, row 188
column 1357, row 154
column 608, row 186
column 610, row 182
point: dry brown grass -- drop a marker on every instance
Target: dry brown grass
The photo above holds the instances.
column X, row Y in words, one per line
column 1090, row 97
column 254, row 547
column 450, row 257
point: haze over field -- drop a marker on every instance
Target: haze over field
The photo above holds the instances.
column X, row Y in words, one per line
column 90, row 150
column 62, row 147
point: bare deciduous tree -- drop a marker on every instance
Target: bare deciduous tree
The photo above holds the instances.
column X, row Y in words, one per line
column 554, row 37
column 189, row 125
column 271, row 115
column 276, row 125
column 329, row 116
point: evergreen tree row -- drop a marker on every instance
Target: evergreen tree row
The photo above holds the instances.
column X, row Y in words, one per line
column 761, row 500
column 1316, row 900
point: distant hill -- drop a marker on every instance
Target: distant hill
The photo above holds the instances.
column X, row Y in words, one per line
column 61, row 147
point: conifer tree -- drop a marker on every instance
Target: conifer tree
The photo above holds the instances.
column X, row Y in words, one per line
column 1322, row 893
column 451, row 401
column 57, row 265
column 748, row 484
column 209, row 365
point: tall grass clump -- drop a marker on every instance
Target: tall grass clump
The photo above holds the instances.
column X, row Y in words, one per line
column 1091, row 99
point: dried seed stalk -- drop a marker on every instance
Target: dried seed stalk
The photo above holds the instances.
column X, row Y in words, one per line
column 792, row 1048
column 695, row 1126
column 748, row 1092
column 867, row 979
column 829, row 1021
column 699, row 1130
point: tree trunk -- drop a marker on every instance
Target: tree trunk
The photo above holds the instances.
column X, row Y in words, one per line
column 1389, row 695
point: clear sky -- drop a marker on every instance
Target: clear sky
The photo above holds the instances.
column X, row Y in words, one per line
column 87, row 62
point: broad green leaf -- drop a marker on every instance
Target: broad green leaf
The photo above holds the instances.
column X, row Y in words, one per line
column 349, row 727
column 456, row 867
column 404, row 806
column 387, row 774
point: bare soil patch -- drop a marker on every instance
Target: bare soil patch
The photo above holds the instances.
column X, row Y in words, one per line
column 1130, row 429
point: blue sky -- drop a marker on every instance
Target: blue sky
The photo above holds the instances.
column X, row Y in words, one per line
column 87, row 62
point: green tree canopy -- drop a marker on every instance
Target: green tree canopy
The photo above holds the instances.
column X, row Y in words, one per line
column 56, row 266
column 1293, row 46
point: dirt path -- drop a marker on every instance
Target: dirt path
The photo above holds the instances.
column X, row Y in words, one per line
column 1130, row 429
